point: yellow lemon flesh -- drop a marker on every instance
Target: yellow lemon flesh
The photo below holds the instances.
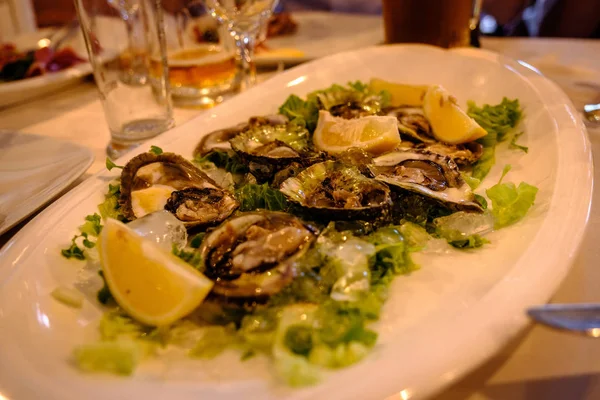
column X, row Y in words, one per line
column 402, row 95
column 449, row 123
column 150, row 284
column 373, row 134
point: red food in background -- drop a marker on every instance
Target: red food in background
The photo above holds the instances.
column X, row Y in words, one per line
column 34, row 63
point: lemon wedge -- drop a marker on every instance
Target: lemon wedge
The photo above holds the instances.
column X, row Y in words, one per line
column 402, row 95
column 374, row 134
column 449, row 123
column 150, row 284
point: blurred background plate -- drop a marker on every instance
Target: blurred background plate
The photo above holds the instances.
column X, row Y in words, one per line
column 321, row 34
column 28, row 88
column 33, row 170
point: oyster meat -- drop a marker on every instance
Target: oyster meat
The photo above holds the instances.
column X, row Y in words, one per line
column 431, row 175
column 412, row 124
column 461, row 154
column 334, row 191
column 151, row 182
column 252, row 256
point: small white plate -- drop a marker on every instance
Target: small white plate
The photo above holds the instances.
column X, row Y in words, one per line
column 321, row 34
column 438, row 323
column 28, row 88
column 33, row 170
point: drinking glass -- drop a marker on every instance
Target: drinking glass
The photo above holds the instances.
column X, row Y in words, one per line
column 135, row 109
column 200, row 54
column 444, row 23
column 243, row 19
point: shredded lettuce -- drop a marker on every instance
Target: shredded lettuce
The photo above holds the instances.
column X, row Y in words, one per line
column 298, row 110
column 120, row 357
column 156, row 150
column 294, row 369
column 471, row 242
column 392, row 250
column 470, row 180
column 192, row 257
column 515, row 145
column 227, row 160
column 510, row 203
column 79, row 243
column 498, row 121
column 214, row 341
column 253, row 196
column 110, row 164
column 110, row 207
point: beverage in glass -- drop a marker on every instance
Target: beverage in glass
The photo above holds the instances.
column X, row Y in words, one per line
column 444, row 23
column 200, row 56
column 243, row 19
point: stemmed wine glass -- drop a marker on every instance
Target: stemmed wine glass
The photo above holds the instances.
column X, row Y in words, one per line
column 243, row 19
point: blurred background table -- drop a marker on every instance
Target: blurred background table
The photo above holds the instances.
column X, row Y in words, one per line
column 539, row 364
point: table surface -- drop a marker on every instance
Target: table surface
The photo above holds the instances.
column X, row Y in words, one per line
column 540, row 363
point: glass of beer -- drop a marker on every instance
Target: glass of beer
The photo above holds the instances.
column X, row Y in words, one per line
column 200, row 56
column 444, row 23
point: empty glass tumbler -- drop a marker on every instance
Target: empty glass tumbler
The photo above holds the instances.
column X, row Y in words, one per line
column 123, row 39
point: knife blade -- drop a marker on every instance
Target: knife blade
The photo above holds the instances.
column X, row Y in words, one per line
column 577, row 318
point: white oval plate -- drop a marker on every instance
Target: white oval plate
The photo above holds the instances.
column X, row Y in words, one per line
column 438, row 323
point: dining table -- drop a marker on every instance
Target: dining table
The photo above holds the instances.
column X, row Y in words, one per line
column 539, row 363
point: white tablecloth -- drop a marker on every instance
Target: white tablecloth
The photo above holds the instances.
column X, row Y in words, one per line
column 540, row 364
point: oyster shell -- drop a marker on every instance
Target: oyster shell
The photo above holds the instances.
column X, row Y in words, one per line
column 151, row 182
column 267, row 149
column 252, row 256
column 412, row 124
column 334, row 191
column 432, row 175
column 219, row 139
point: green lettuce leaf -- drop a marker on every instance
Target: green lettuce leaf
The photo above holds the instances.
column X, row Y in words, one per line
column 230, row 161
column 119, row 357
column 297, row 110
column 471, row 242
column 253, row 196
column 514, row 145
column 214, row 341
column 510, row 203
column 498, row 121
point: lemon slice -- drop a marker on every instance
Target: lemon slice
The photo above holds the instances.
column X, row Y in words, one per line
column 374, row 134
column 449, row 123
column 402, row 95
column 150, row 284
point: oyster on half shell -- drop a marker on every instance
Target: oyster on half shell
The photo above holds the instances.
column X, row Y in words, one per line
column 431, row 175
column 334, row 191
column 267, row 149
column 219, row 139
column 252, row 256
column 151, row 182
